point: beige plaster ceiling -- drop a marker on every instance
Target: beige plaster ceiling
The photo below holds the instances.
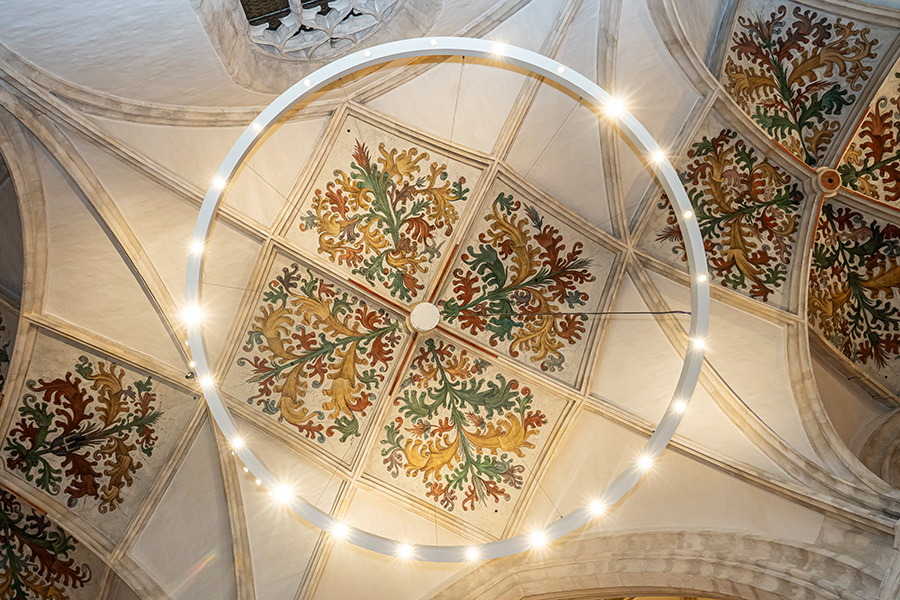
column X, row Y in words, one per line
column 780, row 482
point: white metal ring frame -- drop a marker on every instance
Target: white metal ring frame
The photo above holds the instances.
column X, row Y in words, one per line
column 600, row 100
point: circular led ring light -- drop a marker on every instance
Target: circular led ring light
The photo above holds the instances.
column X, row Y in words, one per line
column 598, row 98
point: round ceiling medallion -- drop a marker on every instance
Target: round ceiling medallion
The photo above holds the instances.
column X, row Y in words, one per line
column 424, row 316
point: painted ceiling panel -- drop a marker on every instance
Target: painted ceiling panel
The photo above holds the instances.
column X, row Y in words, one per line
column 617, row 378
column 797, row 71
column 12, row 267
column 187, row 543
column 82, row 261
column 678, row 493
column 852, row 298
column 471, row 112
column 93, row 433
column 737, row 339
column 523, row 255
column 157, row 52
column 316, row 356
column 389, row 237
column 439, row 440
column 376, row 576
column 748, row 210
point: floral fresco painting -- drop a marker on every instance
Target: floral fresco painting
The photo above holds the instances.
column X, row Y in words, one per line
column 315, row 357
column 854, row 288
column 92, row 433
column 462, row 436
column 797, row 71
column 39, row 560
column 871, row 164
column 748, row 210
column 522, row 281
column 383, row 209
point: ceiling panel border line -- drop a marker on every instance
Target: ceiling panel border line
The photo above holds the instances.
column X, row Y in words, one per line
column 864, row 97
column 783, row 488
column 106, row 584
column 816, row 422
column 616, row 279
column 783, row 454
column 56, row 111
column 700, row 112
column 528, row 92
column 161, row 482
column 477, row 28
column 106, row 213
column 21, row 160
column 237, row 516
column 728, row 296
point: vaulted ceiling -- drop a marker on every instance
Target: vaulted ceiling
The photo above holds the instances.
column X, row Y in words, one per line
column 494, row 195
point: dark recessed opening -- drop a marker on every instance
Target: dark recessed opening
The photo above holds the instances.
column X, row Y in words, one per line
column 270, row 11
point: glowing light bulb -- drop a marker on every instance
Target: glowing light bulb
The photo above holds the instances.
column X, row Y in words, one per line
column 218, row 182
column 340, row 531
column 246, row 470
column 645, row 462
column 367, row 54
column 680, row 406
column 538, row 539
column 404, row 551
column 498, row 49
column 472, row 553
column 192, row 364
column 560, row 69
column 699, row 343
column 237, row 443
column 207, row 382
column 191, row 315
column 197, row 247
column 688, row 214
column 258, row 482
column 615, row 107
column 433, row 42
column 256, row 126
column 701, row 278
column 282, row 494
column 598, row 507
column 658, row 156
